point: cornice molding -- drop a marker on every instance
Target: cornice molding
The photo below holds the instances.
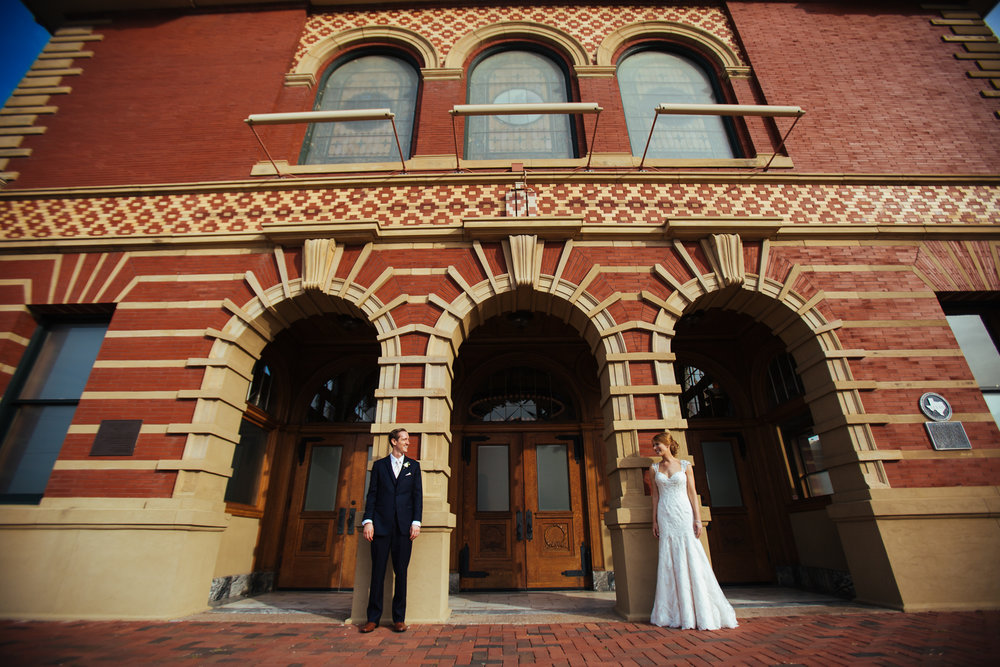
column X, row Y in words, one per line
column 495, row 229
column 551, row 177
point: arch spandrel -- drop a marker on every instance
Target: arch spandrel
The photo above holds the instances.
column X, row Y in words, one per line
column 560, row 41
column 696, row 38
column 320, row 53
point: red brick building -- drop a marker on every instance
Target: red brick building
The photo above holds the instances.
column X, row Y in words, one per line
column 240, row 243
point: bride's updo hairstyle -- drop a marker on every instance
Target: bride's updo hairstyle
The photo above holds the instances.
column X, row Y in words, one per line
column 668, row 440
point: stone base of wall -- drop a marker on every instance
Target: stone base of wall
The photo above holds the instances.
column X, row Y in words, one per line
column 816, row 579
column 236, row 586
column 604, row 580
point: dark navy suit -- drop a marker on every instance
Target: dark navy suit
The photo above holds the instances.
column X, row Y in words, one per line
column 392, row 505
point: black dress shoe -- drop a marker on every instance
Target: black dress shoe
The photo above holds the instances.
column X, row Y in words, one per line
column 399, row 626
column 369, row 626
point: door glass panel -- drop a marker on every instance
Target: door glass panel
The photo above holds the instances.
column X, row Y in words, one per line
column 720, row 469
column 493, row 479
column 324, row 470
column 553, row 478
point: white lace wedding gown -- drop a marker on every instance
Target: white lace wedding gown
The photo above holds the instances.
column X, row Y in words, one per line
column 687, row 592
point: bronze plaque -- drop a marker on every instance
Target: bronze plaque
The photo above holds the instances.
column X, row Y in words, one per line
column 116, row 437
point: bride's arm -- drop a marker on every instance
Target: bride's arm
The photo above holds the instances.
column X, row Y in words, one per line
column 693, row 498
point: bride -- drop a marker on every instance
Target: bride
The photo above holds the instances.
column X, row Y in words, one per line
column 687, row 593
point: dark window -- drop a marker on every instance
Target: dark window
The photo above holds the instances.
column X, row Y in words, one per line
column 259, row 394
column 248, row 461
column 783, row 380
column 251, row 451
column 650, row 78
column 520, row 394
column 701, row 396
column 346, row 398
column 44, row 394
column 366, row 82
column 807, row 472
column 518, row 77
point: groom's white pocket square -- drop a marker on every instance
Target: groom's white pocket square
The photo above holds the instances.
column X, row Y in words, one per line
column 407, row 474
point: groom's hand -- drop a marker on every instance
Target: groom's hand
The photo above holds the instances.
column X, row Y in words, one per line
column 369, row 531
column 414, row 532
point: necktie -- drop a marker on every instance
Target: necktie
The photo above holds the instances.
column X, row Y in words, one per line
column 396, row 466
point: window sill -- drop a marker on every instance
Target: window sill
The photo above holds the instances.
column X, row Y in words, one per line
column 424, row 163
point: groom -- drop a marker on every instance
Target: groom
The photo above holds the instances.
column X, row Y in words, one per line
column 393, row 509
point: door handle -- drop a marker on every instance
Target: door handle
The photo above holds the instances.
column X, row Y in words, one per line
column 350, row 521
column 531, row 528
column 341, row 513
column 520, row 535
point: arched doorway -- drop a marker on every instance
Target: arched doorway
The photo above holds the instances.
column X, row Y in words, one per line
column 526, row 480
column 758, row 463
column 323, row 444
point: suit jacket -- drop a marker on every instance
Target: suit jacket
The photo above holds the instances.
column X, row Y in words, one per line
column 394, row 503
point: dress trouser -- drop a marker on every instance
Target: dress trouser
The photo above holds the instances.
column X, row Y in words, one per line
column 398, row 546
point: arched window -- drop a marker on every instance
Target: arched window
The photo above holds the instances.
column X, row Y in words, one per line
column 783, row 380
column 372, row 81
column 345, row 398
column 649, row 78
column 701, row 395
column 520, row 394
column 518, row 77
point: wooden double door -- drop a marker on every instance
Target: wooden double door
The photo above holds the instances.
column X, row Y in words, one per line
column 522, row 512
column 327, row 501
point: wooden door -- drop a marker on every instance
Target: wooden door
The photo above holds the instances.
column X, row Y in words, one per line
column 327, row 497
column 553, row 506
column 522, row 513
column 735, row 535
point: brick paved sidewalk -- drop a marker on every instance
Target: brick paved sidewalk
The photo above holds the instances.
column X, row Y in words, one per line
column 965, row 638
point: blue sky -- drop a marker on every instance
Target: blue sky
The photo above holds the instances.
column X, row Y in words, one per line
column 21, row 39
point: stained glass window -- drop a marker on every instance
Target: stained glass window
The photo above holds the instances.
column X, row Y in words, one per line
column 368, row 82
column 517, row 77
column 650, row 78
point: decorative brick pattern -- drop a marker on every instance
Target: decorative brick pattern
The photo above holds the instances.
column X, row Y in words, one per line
column 628, row 203
column 589, row 24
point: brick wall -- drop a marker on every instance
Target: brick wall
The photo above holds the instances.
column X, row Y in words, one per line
column 163, row 100
column 882, row 92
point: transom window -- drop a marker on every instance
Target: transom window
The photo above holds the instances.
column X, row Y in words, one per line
column 518, row 77
column 783, row 380
column 520, row 394
column 701, row 395
column 649, row 78
column 345, row 398
column 367, row 82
